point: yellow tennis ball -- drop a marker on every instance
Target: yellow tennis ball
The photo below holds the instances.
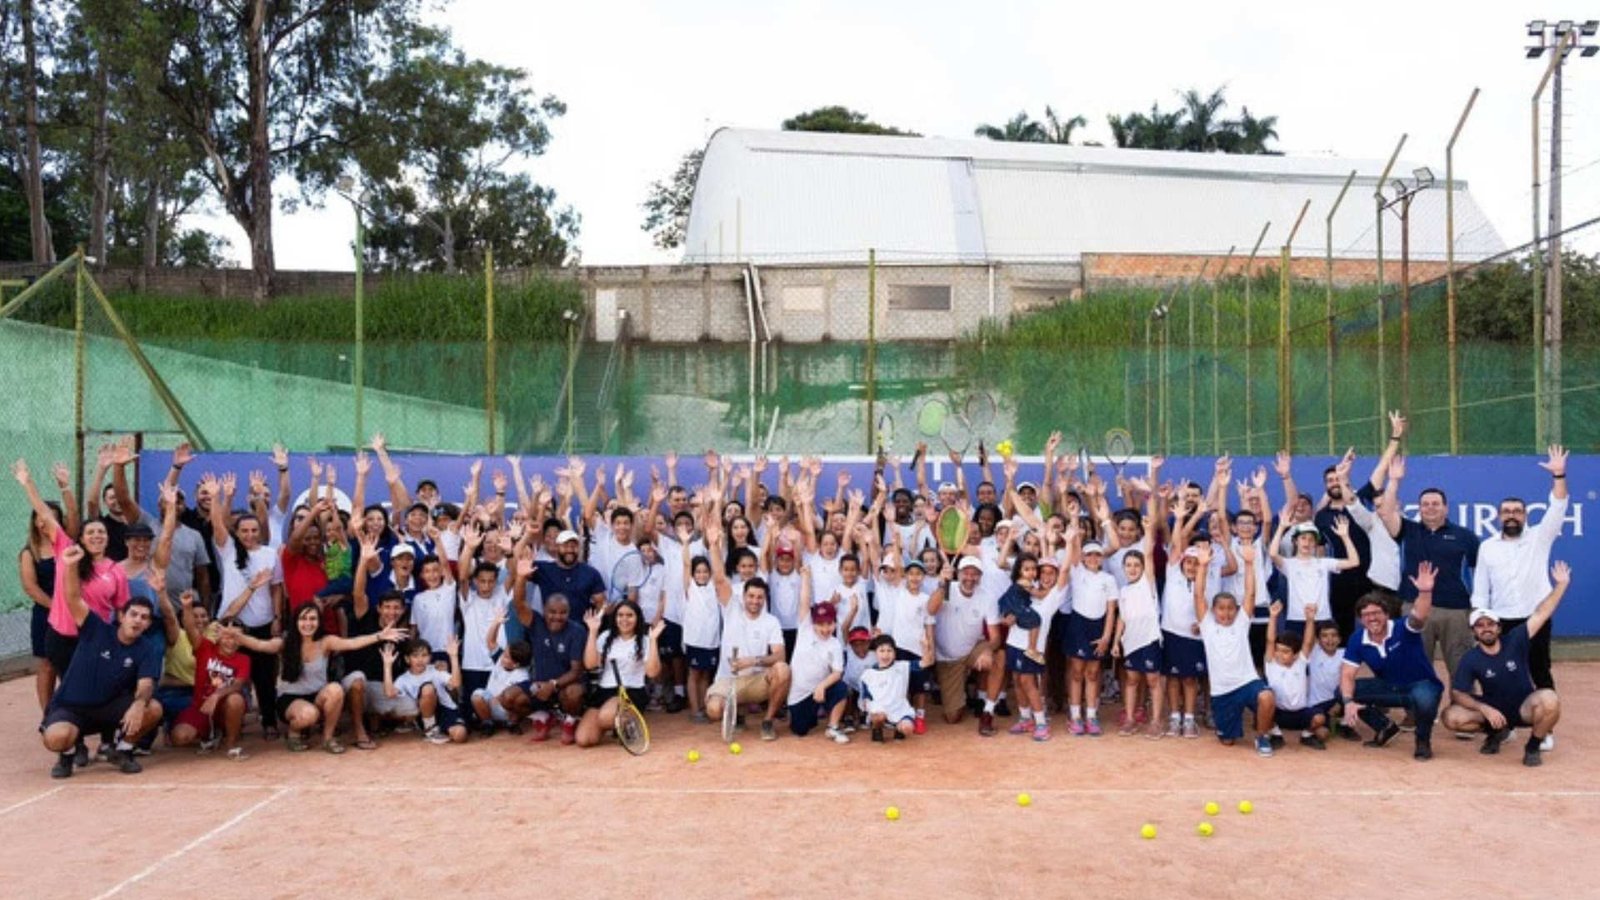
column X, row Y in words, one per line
column 693, row 756
column 1004, row 448
column 892, row 813
column 1246, row 807
column 735, row 748
column 1204, row 829
column 1212, row 809
column 1024, row 799
column 1148, row 832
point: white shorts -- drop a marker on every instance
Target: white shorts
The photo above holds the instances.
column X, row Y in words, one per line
column 496, row 711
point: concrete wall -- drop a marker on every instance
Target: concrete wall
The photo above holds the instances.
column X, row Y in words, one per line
column 1101, row 270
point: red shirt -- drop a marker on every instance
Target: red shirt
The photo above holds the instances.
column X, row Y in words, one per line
column 213, row 671
column 302, row 579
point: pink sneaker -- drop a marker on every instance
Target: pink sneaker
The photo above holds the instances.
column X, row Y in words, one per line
column 1092, row 727
column 1075, row 728
column 1041, row 733
column 1022, row 726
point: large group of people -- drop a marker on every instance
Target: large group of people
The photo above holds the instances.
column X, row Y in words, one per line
column 805, row 600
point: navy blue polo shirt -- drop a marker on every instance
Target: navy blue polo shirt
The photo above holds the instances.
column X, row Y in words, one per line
column 578, row 584
column 104, row 668
column 1401, row 660
column 1347, row 579
column 1502, row 678
column 1453, row 550
column 555, row 651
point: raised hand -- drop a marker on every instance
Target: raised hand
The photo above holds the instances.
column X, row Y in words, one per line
column 1247, row 553
column 1282, row 464
column 316, row 470
column 1052, row 442
column 1258, row 478
column 103, row 456
column 1397, row 468
column 1556, row 464
column 656, row 628
column 260, row 580
column 280, row 456
column 1276, row 609
column 1560, row 573
column 1423, row 581
column 453, row 646
column 525, row 567
column 671, row 459
column 388, row 654
column 1341, row 526
column 1397, row 424
column 379, row 443
column 712, row 460
column 592, row 618
column 1310, row 612
column 498, row 479
column 183, row 454
column 363, row 464
column 72, row 554
column 122, row 452
column 62, row 474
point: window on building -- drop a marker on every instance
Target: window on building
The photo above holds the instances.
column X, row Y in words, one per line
column 919, row 297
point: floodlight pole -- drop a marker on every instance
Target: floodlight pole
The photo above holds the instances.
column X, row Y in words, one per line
column 1544, row 429
column 1329, row 303
column 1249, row 394
column 1285, row 400
column 1450, row 274
column 1377, row 196
column 488, row 345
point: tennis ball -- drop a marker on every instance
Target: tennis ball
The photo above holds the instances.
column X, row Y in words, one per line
column 892, row 813
column 1004, row 448
column 1024, row 799
column 1204, row 829
column 694, row 756
column 1246, row 807
column 735, row 748
column 1212, row 809
column 1148, row 832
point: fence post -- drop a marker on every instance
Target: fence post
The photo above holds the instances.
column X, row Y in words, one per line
column 1249, row 394
column 488, row 344
column 1216, row 365
column 1285, row 398
column 1377, row 196
column 872, row 350
column 78, row 382
column 1340, row 199
column 1450, row 271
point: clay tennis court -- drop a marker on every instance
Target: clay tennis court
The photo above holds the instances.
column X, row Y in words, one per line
column 802, row 817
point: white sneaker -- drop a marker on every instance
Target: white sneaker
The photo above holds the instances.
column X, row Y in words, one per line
column 435, row 736
column 1548, row 744
column 839, row 737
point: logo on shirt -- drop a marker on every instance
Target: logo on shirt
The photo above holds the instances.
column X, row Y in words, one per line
column 105, row 654
column 1488, row 673
column 1511, row 665
column 127, row 662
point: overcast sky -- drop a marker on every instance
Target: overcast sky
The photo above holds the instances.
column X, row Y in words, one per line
column 647, row 81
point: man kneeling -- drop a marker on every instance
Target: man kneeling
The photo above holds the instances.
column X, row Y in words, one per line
column 1499, row 667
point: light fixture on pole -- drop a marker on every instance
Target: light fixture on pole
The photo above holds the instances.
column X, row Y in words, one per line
column 1404, row 192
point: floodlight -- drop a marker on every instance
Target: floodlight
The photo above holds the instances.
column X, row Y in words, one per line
column 1536, row 28
column 1563, row 26
column 1589, row 28
column 1535, row 52
column 1400, row 187
column 1424, row 176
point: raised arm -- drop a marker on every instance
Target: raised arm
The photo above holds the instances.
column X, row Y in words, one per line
column 1423, row 605
column 1283, row 466
column 1560, row 577
column 399, row 497
column 1202, row 603
column 102, row 464
column 1341, row 527
column 47, row 516
column 1391, row 449
column 121, row 455
column 220, row 504
column 280, row 459
column 358, row 493
column 169, row 528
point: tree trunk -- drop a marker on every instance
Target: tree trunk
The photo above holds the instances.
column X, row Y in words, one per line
column 447, row 237
column 100, row 163
column 33, row 174
column 259, row 226
column 151, row 245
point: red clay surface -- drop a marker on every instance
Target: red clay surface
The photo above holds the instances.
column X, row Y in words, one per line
column 803, row 817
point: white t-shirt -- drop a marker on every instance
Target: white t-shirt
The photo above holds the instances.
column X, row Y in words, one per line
column 257, row 611
column 1177, row 603
column 623, row 651
column 846, row 593
column 1325, row 669
column 1291, row 684
column 1046, row 607
column 672, row 567
column 814, row 660
column 754, row 638
column 783, row 598
column 477, row 614
column 604, row 550
column 1228, row 661
column 1308, row 583
column 902, row 615
column 1140, row 615
column 410, row 685
column 501, row 678
column 450, row 546
column 652, row 593
column 884, row 691
column 434, row 614
column 702, row 617
column 824, row 574
column 961, row 622
column 853, row 667
column 1234, row 584
column 1091, row 591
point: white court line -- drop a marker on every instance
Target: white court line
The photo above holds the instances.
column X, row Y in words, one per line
column 831, row 791
column 145, row 873
column 35, row 799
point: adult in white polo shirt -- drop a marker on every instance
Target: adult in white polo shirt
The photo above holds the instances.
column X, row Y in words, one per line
column 752, row 657
column 966, row 639
column 1512, row 576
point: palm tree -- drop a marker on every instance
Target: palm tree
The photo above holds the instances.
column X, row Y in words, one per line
column 1018, row 128
column 1201, row 126
column 1058, row 131
column 1253, row 133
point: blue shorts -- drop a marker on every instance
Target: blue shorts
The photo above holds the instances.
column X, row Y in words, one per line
column 446, row 717
column 1082, row 632
column 670, row 644
column 1295, row 719
column 803, row 716
column 1182, row 657
column 1227, row 710
column 39, row 632
column 701, row 659
column 1146, row 659
column 1017, row 661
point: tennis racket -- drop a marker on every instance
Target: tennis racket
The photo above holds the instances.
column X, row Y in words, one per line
column 1119, row 448
column 730, row 709
column 980, row 412
column 885, row 434
column 628, row 575
column 931, row 417
column 630, row 726
column 952, row 529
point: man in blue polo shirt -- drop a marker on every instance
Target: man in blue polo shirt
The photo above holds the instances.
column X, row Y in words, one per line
column 1404, row 676
column 577, row 581
column 556, row 674
column 111, row 683
column 1499, row 667
column 1453, row 552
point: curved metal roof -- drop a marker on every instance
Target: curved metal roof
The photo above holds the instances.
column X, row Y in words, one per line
column 804, row 197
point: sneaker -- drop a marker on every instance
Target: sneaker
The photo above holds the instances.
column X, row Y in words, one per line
column 877, row 734
column 676, row 704
column 1075, row 728
column 769, row 730
column 1041, row 733
column 208, row 746
column 1548, row 744
column 837, row 736
column 1276, row 740
column 1491, row 744
column 1190, row 729
column 486, row 729
column 1263, row 745
column 1091, row 727
column 63, row 766
column 920, row 726
column 1381, row 739
column 700, row 718
column 1463, row 735
column 140, row 751
column 986, row 724
column 1532, row 757
column 124, row 762
column 569, row 731
column 1346, row 732
column 80, row 755
column 541, row 731
column 974, row 705
column 1174, row 726
column 1424, row 750
column 1021, row 726
column 1002, row 709
column 1314, row 742
column 1127, row 726
column 899, row 735
column 434, row 736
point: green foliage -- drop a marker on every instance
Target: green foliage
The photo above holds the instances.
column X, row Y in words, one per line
column 1495, row 302
column 841, row 120
column 1196, row 126
column 1053, row 130
column 667, row 206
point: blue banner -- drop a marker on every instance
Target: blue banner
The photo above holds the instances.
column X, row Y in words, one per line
column 1474, row 485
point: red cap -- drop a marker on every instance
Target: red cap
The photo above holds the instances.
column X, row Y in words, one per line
column 860, row 634
column 824, row 612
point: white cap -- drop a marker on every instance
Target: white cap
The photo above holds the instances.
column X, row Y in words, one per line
column 1027, row 485
column 1093, row 547
column 567, row 535
column 402, row 549
column 1479, row 614
column 969, row 562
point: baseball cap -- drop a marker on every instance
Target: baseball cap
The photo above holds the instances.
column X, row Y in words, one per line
column 824, row 612
column 1049, row 561
column 970, row 562
column 402, row 550
column 138, row 530
column 1026, row 486
column 1306, row 528
column 1191, row 553
column 860, row 634
column 1093, row 547
column 916, row 564
column 946, row 486
column 566, row 535
column 785, row 550
column 1478, row 614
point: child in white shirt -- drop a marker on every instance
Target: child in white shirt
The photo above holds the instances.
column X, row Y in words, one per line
column 883, row 691
column 429, row 688
column 1288, row 666
column 510, row 668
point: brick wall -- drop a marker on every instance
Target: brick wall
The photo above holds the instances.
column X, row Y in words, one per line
column 1165, row 269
